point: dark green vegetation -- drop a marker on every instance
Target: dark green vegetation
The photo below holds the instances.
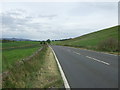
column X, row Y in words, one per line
column 48, row 41
column 0, row 57
column 103, row 40
column 40, row 71
column 0, row 61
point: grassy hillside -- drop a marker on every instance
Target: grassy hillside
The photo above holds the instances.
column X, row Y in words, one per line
column 106, row 40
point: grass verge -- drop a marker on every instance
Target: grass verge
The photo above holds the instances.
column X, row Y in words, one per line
column 40, row 71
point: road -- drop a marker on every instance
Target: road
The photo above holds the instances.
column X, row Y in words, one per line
column 88, row 69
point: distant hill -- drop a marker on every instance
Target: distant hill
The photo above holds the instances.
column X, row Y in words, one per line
column 16, row 39
column 106, row 40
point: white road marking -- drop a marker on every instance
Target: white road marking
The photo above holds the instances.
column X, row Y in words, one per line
column 95, row 51
column 68, row 50
column 93, row 59
column 76, row 53
column 98, row 60
column 66, row 84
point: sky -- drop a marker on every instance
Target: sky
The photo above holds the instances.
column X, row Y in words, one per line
column 56, row 20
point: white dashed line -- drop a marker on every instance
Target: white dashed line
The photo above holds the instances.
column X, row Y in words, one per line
column 68, row 50
column 77, row 53
column 98, row 60
column 96, row 51
column 93, row 59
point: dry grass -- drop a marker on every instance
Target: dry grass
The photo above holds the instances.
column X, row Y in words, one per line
column 49, row 75
column 40, row 71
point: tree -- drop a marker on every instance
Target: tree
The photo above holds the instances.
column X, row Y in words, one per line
column 48, row 41
column 40, row 42
column 44, row 42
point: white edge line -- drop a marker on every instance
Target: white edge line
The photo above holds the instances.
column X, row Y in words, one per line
column 66, row 84
column 98, row 60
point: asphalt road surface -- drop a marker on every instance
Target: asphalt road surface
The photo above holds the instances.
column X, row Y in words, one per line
column 88, row 69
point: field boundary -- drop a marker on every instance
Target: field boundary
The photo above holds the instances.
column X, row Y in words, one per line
column 17, row 47
column 20, row 62
column 66, row 84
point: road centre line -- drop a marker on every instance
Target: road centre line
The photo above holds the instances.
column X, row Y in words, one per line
column 95, row 51
column 93, row 59
column 68, row 50
column 76, row 53
column 98, row 60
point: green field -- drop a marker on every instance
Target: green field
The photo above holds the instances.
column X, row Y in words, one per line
column 0, row 44
column 18, row 44
column 11, row 56
column 0, row 57
column 96, row 40
column 0, row 61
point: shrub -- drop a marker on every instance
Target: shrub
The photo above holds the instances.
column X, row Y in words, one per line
column 109, row 44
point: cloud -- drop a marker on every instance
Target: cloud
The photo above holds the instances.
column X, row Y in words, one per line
column 56, row 20
column 48, row 16
column 18, row 24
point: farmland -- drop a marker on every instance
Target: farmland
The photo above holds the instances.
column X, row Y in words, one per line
column 12, row 56
column 18, row 44
column 18, row 51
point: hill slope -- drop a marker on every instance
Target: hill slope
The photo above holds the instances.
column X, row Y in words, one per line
column 106, row 40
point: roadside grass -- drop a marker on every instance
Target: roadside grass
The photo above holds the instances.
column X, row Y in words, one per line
column 0, row 44
column 9, row 57
column 49, row 73
column 0, row 58
column 0, row 61
column 95, row 41
column 40, row 71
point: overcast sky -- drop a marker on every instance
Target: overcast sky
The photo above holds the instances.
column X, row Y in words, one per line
column 56, row 20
